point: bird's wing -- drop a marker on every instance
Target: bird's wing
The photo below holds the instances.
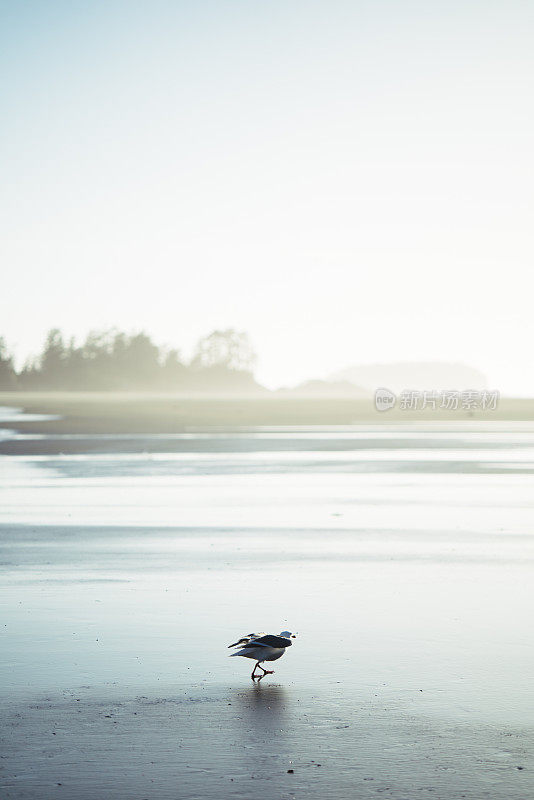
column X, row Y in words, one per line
column 273, row 641
column 246, row 639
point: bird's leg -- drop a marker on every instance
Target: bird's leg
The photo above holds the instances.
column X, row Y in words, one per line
column 253, row 676
column 265, row 672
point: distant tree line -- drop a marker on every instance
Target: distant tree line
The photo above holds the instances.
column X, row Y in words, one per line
column 114, row 360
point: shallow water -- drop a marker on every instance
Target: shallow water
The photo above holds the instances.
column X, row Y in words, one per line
column 406, row 571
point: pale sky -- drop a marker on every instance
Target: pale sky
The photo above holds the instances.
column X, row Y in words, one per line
column 349, row 182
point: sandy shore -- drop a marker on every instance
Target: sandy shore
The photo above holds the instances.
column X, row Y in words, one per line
column 221, row 741
column 116, row 684
column 126, row 574
column 80, row 413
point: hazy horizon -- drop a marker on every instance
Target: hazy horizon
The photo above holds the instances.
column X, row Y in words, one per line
column 349, row 182
column 222, row 361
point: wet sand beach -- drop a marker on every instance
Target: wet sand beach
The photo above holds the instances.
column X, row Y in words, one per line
column 401, row 554
column 79, row 413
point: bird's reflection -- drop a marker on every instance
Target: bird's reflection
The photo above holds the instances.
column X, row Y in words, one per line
column 263, row 714
column 262, row 730
column 261, row 700
column 268, row 699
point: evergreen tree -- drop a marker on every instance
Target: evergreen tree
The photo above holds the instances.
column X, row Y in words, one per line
column 8, row 377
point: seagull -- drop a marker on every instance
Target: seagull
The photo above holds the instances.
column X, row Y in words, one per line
column 263, row 648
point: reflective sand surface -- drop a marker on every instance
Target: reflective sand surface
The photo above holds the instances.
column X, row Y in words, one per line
column 403, row 557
